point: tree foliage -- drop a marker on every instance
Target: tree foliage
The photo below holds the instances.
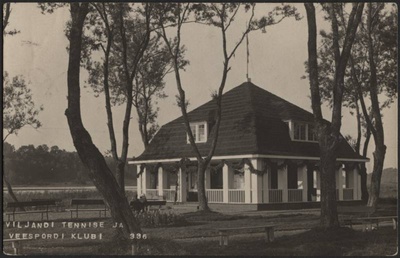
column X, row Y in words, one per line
column 385, row 36
column 6, row 17
column 122, row 34
column 104, row 35
column 18, row 106
column 43, row 165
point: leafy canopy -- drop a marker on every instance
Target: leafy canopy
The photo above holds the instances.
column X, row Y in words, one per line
column 18, row 106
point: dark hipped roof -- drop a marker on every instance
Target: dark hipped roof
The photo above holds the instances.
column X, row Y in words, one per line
column 252, row 123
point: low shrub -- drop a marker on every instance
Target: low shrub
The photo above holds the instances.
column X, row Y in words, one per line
column 157, row 218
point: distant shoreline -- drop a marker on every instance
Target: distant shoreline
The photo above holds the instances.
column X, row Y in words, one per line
column 57, row 188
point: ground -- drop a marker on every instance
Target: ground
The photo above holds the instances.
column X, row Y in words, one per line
column 297, row 233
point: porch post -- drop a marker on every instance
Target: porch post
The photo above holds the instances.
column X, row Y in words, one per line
column 145, row 180
column 256, row 182
column 247, row 184
column 138, row 181
column 225, row 182
column 356, row 185
column 182, row 186
column 283, row 182
column 318, row 197
column 351, row 181
column 161, row 181
column 302, row 182
column 265, row 185
column 340, row 183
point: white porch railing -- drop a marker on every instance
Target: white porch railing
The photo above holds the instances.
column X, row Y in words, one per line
column 215, row 195
column 348, row 194
column 169, row 195
column 236, row 196
column 152, row 193
column 275, row 195
column 295, row 195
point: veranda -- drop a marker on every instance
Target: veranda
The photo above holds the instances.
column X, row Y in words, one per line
column 248, row 181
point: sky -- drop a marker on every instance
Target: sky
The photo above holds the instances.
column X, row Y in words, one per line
column 277, row 58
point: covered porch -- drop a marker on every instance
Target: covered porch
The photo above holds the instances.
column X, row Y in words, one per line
column 247, row 181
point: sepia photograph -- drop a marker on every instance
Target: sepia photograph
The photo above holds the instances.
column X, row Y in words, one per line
column 200, row 129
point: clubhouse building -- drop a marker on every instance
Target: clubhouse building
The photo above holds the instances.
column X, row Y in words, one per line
column 267, row 155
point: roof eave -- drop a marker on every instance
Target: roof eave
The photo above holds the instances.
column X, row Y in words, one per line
column 249, row 156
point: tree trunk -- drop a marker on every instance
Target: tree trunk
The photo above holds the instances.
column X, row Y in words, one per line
column 11, row 192
column 176, row 191
column 378, row 133
column 91, row 157
column 329, row 135
column 120, row 174
column 363, row 169
column 379, row 158
column 364, row 187
column 329, row 216
column 358, row 118
column 201, row 171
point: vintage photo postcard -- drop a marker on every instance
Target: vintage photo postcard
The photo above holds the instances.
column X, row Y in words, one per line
column 200, row 129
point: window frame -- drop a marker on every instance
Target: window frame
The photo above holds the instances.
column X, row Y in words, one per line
column 196, row 133
column 313, row 134
column 307, row 125
column 301, row 126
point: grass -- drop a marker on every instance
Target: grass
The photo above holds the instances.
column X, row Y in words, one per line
column 210, row 216
column 203, row 241
column 297, row 234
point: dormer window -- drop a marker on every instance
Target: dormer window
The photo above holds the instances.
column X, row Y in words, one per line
column 199, row 131
column 311, row 133
column 301, row 131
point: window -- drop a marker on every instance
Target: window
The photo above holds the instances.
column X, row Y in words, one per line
column 311, row 133
column 302, row 131
column 202, row 133
column 193, row 129
column 199, row 131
